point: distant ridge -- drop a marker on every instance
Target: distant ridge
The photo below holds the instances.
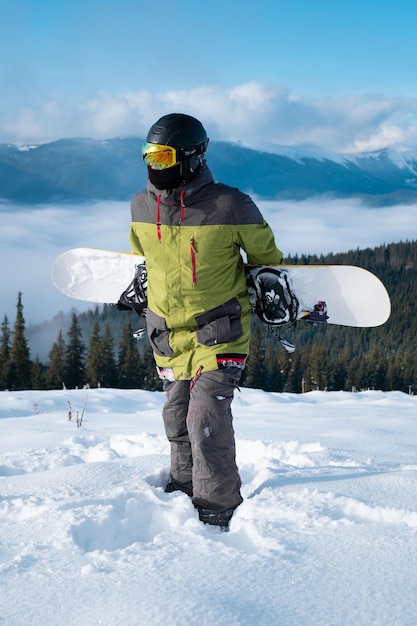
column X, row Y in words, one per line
column 85, row 170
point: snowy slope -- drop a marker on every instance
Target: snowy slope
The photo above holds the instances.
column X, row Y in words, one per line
column 327, row 534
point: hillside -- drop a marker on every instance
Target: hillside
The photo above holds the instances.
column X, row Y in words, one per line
column 82, row 170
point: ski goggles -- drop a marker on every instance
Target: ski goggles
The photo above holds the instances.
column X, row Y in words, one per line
column 158, row 156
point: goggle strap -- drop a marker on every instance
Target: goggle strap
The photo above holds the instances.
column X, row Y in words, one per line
column 194, row 151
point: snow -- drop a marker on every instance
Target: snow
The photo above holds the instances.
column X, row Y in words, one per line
column 300, row 153
column 327, row 533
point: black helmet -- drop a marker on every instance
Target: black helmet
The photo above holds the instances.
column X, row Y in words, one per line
column 189, row 138
column 180, row 131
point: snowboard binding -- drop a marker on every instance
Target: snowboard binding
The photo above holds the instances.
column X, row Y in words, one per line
column 135, row 296
column 273, row 300
column 272, row 296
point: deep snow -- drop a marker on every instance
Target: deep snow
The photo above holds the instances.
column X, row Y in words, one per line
column 327, row 534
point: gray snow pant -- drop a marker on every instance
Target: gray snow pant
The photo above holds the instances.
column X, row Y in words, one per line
column 198, row 423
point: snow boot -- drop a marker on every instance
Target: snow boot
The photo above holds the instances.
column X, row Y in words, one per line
column 216, row 518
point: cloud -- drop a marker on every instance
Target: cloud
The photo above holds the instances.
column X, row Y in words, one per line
column 251, row 113
column 33, row 237
column 323, row 225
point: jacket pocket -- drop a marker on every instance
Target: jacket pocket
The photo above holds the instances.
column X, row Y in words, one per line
column 158, row 334
column 221, row 324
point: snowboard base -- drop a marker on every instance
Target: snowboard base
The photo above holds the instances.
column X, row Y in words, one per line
column 335, row 294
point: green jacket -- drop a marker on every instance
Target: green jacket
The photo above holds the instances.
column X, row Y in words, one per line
column 198, row 308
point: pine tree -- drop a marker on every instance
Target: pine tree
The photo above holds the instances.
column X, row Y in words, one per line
column 379, row 370
column 101, row 367
column 55, row 372
column 375, row 374
column 338, row 376
column 74, row 369
column 108, row 368
column 148, row 373
column 256, row 373
column 294, row 381
column 410, row 369
column 276, row 359
column 38, row 375
column 20, row 364
column 93, row 363
column 5, row 374
column 129, row 365
column 316, row 375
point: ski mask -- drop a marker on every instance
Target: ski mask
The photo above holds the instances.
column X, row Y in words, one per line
column 179, row 174
column 169, row 178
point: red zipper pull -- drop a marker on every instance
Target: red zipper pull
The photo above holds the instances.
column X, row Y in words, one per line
column 193, row 262
column 182, row 210
column 158, row 217
column 196, row 375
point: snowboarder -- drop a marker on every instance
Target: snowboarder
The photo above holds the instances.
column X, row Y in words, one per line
column 192, row 231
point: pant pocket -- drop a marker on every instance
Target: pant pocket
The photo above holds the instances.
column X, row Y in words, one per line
column 221, row 324
column 158, row 334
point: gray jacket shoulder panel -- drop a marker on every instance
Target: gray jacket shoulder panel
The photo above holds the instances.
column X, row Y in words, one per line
column 205, row 202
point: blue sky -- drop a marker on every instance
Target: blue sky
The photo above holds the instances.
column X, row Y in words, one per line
column 324, row 73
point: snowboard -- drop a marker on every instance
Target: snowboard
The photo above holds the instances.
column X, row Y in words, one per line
column 335, row 294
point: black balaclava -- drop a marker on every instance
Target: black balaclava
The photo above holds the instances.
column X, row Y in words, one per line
column 176, row 176
column 169, row 178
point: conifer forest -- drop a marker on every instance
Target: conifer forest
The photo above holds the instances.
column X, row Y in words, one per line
column 98, row 348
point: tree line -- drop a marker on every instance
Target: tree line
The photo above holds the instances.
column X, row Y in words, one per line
column 72, row 362
column 99, row 349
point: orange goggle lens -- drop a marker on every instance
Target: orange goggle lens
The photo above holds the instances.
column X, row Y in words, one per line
column 158, row 156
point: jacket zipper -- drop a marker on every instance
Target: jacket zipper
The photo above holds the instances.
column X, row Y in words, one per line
column 193, row 262
column 158, row 217
column 182, row 205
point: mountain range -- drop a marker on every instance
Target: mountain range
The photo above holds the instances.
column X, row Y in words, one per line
column 84, row 170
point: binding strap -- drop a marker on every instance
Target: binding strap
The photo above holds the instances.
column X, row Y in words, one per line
column 135, row 296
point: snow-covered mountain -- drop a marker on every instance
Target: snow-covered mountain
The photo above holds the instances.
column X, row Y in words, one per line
column 79, row 170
